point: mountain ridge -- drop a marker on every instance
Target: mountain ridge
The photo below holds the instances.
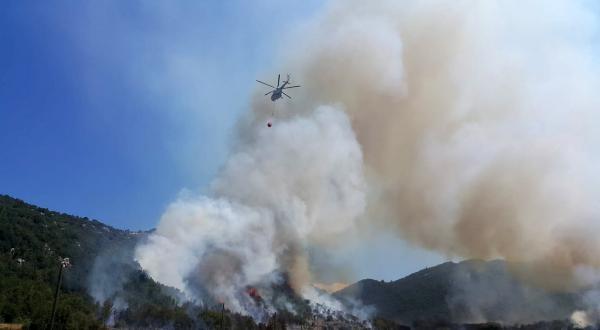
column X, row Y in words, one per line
column 461, row 292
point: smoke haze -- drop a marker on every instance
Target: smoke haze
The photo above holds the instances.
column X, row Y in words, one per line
column 467, row 127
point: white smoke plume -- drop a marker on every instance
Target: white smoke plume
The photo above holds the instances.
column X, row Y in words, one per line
column 477, row 120
column 299, row 183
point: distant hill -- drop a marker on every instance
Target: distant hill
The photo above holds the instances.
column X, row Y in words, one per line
column 465, row 292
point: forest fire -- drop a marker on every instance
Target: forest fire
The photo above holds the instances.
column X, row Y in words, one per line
column 253, row 293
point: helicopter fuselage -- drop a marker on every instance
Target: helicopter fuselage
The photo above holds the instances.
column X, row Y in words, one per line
column 278, row 92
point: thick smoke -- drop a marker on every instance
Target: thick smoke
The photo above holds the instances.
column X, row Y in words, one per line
column 477, row 123
column 476, row 120
column 296, row 184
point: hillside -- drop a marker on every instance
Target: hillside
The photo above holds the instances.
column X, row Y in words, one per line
column 39, row 236
column 31, row 241
column 468, row 291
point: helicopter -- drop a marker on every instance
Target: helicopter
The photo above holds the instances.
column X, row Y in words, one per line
column 278, row 91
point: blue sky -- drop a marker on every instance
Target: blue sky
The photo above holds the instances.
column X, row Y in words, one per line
column 109, row 108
